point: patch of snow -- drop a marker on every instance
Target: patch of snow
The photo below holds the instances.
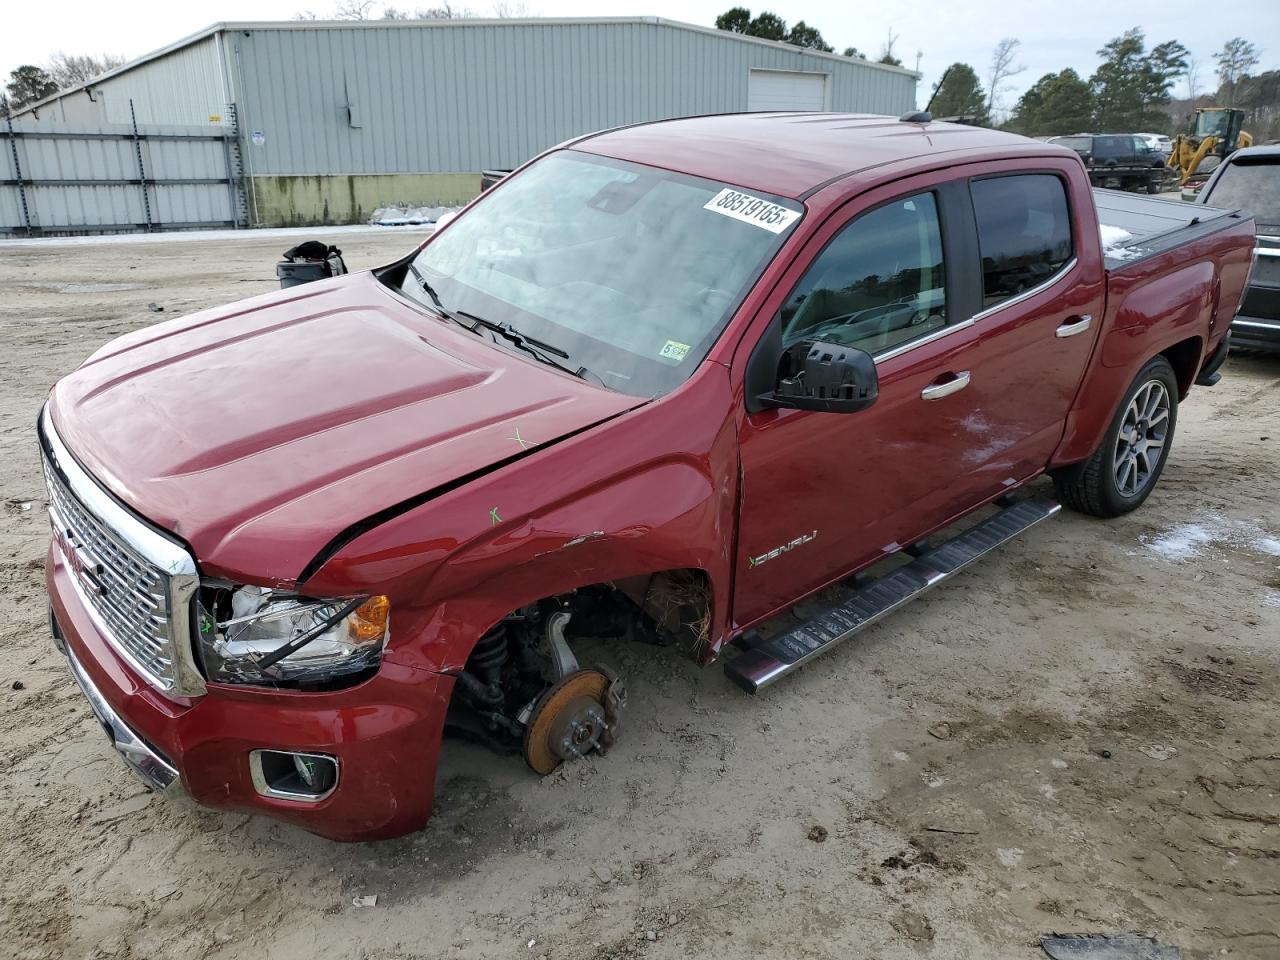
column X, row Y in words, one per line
column 1182, row 542
column 198, row 236
column 1198, row 537
column 410, row 216
column 1112, row 236
column 1113, row 243
column 1009, row 856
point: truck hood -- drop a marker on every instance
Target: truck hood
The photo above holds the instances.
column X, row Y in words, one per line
column 259, row 431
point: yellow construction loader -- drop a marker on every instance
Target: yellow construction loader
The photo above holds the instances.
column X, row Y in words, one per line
column 1216, row 133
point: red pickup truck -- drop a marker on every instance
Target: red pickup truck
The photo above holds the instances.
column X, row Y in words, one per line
column 657, row 386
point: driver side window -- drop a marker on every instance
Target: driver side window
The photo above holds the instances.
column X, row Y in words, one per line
column 878, row 284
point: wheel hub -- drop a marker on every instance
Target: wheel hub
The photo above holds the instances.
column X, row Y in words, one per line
column 568, row 721
column 1140, row 442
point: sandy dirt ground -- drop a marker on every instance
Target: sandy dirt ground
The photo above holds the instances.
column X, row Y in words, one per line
column 1079, row 734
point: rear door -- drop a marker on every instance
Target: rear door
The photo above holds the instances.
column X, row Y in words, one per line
column 1043, row 293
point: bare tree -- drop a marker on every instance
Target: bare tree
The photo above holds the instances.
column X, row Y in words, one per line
column 1236, row 58
column 353, row 10
column 516, row 10
column 445, row 11
column 71, row 70
column 1002, row 68
column 886, row 52
column 1192, row 76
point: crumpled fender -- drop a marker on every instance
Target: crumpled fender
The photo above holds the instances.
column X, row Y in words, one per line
column 650, row 490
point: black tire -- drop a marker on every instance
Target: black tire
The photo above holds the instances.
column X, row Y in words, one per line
column 1093, row 486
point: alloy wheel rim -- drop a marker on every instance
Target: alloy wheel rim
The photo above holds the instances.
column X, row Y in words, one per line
column 1140, row 444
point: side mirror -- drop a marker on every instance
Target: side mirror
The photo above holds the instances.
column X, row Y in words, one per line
column 826, row 377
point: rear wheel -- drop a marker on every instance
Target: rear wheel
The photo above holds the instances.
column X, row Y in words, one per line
column 1124, row 469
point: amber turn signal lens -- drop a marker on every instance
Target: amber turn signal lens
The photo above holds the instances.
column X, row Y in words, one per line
column 369, row 620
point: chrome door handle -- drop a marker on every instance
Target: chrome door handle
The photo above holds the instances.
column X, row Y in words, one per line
column 936, row 391
column 1078, row 325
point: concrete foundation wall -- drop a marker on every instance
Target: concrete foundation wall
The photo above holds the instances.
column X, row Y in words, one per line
column 286, row 201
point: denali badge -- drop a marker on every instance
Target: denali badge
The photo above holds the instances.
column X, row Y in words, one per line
column 778, row 551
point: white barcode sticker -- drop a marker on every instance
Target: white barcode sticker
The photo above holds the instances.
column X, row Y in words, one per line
column 753, row 210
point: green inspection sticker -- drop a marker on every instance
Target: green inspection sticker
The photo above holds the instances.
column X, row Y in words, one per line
column 674, row 350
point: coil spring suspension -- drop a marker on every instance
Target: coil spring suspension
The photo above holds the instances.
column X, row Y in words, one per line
column 489, row 656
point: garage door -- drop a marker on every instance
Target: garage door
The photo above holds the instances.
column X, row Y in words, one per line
column 783, row 90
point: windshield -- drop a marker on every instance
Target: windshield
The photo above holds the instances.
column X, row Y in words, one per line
column 1212, row 123
column 1253, row 187
column 627, row 271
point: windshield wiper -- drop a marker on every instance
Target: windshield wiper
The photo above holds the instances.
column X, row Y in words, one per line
column 435, row 298
column 539, row 349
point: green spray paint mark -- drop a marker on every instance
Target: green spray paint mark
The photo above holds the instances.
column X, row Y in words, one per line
column 524, row 444
column 494, row 519
column 752, row 562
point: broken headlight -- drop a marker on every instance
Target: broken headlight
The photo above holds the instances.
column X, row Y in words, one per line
column 256, row 635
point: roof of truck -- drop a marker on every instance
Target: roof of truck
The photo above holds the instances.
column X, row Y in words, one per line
column 794, row 154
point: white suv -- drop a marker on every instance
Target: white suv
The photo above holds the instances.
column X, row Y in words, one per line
column 1156, row 141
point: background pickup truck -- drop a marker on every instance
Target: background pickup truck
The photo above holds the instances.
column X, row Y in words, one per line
column 1122, row 161
column 657, row 386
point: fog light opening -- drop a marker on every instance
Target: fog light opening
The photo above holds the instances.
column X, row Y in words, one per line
column 285, row 775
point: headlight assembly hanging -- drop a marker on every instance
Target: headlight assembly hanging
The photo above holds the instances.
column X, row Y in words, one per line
column 256, row 635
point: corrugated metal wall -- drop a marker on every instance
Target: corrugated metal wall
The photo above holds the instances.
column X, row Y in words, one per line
column 461, row 97
column 185, row 86
column 86, row 179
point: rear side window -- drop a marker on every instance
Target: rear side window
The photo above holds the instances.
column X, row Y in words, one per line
column 878, row 284
column 1251, row 184
column 1104, row 147
column 1024, row 232
column 1078, row 144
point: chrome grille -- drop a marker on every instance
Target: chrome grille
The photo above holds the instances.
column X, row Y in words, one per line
column 135, row 582
column 128, row 594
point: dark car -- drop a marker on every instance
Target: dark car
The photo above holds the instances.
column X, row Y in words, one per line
column 1249, row 180
column 1123, row 161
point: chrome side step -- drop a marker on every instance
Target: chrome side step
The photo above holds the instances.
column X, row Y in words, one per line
column 774, row 658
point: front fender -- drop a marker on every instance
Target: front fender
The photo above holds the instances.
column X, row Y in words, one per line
column 652, row 490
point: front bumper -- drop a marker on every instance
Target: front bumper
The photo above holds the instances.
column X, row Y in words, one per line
column 384, row 733
column 148, row 763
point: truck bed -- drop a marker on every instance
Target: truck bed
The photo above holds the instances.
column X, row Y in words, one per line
column 1136, row 227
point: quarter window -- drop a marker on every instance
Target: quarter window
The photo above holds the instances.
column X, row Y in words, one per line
column 878, row 284
column 1024, row 232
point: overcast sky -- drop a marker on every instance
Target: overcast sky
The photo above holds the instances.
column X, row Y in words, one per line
column 1054, row 34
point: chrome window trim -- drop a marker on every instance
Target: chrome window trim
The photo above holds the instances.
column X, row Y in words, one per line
column 265, row 789
column 1058, row 277
column 1267, row 251
column 168, row 556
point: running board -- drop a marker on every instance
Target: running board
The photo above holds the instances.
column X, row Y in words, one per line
column 774, row 658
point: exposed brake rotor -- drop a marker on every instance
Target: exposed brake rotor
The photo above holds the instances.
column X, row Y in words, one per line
column 574, row 716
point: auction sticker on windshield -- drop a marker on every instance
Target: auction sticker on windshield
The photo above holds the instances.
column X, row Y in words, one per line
column 753, row 210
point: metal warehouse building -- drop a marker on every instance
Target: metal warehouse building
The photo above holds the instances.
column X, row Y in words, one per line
column 329, row 120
